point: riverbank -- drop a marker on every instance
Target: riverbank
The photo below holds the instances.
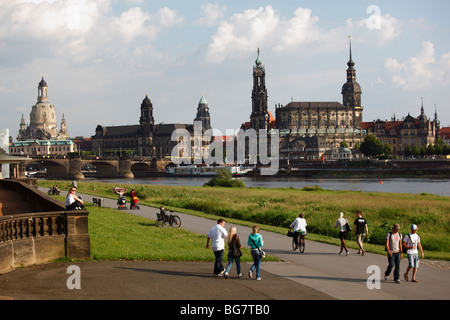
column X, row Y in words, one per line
column 279, row 207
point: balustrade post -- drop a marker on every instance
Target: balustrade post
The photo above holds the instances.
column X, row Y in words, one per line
column 77, row 237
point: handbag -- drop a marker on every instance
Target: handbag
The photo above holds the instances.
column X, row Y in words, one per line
column 290, row 234
column 235, row 250
column 261, row 251
column 347, row 227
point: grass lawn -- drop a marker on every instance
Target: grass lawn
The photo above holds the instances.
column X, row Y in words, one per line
column 275, row 209
column 118, row 235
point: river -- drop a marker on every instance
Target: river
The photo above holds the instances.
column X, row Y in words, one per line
column 435, row 186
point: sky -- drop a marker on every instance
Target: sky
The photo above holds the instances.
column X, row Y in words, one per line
column 100, row 58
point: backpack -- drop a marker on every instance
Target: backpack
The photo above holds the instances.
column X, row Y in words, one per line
column 401, row 237
column 404, row 249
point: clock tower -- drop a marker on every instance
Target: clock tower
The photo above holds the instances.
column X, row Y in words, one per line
column 351, row 93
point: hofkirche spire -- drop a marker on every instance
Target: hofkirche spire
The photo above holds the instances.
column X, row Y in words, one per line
column 351, row 72
column 351, row 90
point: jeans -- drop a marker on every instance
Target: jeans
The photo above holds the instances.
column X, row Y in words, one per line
column 256, row 261
column 218, row 267
column 230, row 263
column 394, row 261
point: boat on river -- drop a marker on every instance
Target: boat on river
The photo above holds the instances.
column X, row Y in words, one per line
column 204, row 171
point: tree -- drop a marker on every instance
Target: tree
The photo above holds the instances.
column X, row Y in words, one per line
column 387, row 149
column 372, row 146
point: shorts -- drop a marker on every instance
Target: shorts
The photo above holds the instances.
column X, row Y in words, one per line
column 413, row 260
column 343, row 235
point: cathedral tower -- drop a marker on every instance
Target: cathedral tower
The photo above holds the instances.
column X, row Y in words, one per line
column 351, row 93
column 259, row 119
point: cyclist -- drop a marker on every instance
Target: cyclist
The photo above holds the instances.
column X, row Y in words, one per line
column 162, row 211
column 299, row 227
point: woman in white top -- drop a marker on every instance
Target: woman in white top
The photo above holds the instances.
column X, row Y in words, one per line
column 341, row 222
column 298, row 226
column 72, row 201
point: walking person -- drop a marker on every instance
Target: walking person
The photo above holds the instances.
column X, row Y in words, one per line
column 394, row 249
column 217, row 235
column 412, row 242
column 361, row 230
column 255, row 241
column 234, row 252
column 298, row 226
column 342, row 224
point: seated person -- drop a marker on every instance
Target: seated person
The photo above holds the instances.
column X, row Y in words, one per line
column 73, row 202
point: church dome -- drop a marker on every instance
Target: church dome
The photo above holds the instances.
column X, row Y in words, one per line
column 146, row 101
column 352, row 87
column 43, row 83
column 202, row 101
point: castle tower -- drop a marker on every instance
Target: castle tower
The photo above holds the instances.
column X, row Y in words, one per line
column 259, row 119
column 351, row 92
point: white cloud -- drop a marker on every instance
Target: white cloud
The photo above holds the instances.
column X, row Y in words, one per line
column 243, row 32
column 211, row 14
column 420, row 71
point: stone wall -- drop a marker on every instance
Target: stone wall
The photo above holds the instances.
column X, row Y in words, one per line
column 49, row 233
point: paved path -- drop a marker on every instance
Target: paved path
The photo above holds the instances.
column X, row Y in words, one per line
column 320, row 273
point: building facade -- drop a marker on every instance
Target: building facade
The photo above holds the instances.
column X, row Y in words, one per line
column 146, row 138
column 43, row 124
column 409, row 131
column 43, row 147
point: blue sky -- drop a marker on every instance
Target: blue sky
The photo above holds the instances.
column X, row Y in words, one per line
column 101, row 57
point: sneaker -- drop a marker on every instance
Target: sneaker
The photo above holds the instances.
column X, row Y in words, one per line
column 225, row 275
column 385, row 278
column 347, row 253
column 249, row 273
column 240, row 275
column 398, row 281
column 259, row 278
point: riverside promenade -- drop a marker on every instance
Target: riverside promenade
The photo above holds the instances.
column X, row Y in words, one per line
column 318, row 274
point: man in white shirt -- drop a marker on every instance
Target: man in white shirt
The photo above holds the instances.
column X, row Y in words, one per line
column 412, row 242
column 217, row 235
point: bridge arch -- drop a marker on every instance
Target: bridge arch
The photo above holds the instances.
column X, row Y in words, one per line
column 55, row 168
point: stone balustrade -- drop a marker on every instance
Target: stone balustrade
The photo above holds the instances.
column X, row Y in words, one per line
column 39, row 237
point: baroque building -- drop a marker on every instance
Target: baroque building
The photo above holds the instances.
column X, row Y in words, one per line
column 333, row 121
column 43, row 124
column 146, row 138
column 409, row 131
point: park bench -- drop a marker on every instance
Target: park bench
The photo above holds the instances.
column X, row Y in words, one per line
column 97, row 202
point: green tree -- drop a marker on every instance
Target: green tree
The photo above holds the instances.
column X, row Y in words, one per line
column 372, row 146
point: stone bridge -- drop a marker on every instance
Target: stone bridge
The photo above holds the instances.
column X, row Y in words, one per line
column 70, row 167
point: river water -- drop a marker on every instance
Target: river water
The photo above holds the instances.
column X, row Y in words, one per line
column 392, row 185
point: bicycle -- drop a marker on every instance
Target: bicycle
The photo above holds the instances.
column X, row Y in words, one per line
column 301, row 242
column 167, row 219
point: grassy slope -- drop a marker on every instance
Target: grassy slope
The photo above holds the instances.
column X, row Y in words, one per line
column 278, row 207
